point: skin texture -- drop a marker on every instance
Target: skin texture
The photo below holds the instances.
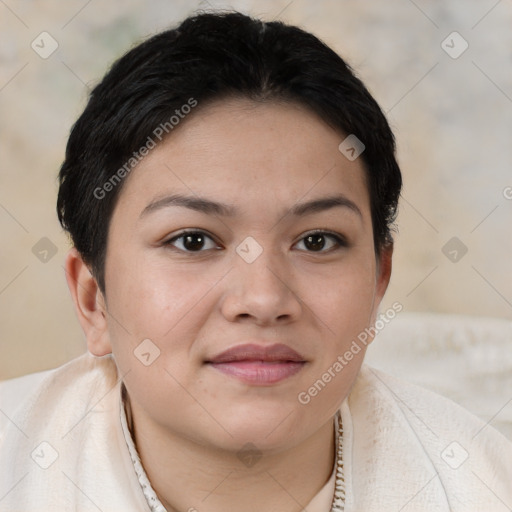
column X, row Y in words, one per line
column 190, row 419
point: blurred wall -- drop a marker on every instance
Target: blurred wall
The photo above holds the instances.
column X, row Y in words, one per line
column 441, row 70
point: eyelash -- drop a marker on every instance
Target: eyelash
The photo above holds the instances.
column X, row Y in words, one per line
column 339, row 240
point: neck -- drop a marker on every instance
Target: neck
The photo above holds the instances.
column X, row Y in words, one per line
column 191, row 477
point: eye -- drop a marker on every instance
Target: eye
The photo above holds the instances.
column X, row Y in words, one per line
column 322, row 241
column 192, row 241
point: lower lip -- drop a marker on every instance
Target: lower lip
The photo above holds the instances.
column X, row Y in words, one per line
column 259, row 372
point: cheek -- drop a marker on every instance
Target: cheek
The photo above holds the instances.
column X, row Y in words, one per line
column 344, row 298
column 167, row 308
column 343, row 309
column 151, row 298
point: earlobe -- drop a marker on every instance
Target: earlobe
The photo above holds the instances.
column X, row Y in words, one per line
column 89, row 304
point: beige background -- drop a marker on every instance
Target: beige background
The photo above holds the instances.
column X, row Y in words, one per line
column 452, row 119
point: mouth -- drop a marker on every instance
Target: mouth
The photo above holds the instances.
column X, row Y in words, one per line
column 258, row 364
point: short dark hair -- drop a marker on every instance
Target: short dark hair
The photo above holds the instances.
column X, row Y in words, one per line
column 211, row 56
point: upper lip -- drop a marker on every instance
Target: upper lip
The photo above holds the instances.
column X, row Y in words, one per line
column 255, row 352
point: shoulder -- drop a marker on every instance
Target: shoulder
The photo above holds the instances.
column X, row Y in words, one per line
column 85, row 375
column 14, row 391
column 60, row 430
column 420, row 406
column 410, row 437
column 83, row 368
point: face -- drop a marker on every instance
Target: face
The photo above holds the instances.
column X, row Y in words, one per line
column 241, row 250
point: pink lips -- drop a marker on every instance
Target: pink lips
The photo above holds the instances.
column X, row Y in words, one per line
column 258, row 364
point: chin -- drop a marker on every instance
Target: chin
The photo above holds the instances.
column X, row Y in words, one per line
column 268, row 426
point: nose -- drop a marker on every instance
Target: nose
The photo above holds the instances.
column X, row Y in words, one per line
column 261, row 292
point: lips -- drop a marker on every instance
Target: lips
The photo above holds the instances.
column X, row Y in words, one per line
column 258, row 364
column 253, row 352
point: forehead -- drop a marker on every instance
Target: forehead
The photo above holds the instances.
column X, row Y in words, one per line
column 244, row 152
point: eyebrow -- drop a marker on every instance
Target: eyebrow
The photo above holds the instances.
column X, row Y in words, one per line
column 210, row 207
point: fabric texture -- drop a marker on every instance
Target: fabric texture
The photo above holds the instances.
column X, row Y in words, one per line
column 405, row 448
column 465, row 358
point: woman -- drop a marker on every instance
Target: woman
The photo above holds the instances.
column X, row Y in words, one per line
column 230, row 192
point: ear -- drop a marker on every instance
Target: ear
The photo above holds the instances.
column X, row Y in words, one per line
column 89, row 304
column 384, row 265
column 383, row 275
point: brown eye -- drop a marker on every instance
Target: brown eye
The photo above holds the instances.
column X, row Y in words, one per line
column 314, row 242
column 322, row 242
column 192, row 241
